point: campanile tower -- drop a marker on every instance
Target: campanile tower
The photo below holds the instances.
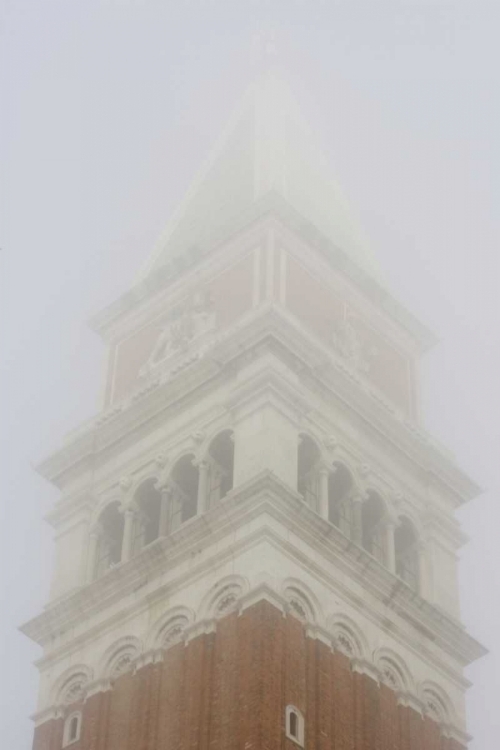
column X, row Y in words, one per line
column 255, row 540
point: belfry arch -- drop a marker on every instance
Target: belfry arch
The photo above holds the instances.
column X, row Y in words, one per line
column 340, row 504
column 373, row 526
column 148, row 501
column 308, row 457
column 183, row 490
column 220, row 458
column 407, row 554
column 107, row 536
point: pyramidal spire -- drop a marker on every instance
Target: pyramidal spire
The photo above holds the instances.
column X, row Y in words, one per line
column 266, row 148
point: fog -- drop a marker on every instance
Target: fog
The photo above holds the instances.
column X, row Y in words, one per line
column 108, row 109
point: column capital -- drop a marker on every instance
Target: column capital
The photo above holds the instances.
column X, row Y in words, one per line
column 164, row 485
column 161, row 460
column 95, row 530
column 125, row 483
column 358, row 496
column 201, row 463
column 129, row 509
column 390, row 521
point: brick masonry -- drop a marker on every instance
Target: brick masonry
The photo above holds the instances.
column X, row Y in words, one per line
column 228, row 690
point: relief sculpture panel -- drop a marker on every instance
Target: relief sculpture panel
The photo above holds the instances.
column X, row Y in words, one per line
column 359, row 347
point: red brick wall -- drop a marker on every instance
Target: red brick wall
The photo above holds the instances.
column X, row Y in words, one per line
column 228, row 691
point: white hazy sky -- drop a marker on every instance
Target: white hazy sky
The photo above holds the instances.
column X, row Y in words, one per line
column 108, row 108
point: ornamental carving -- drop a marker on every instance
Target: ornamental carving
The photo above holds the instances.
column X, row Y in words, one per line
column 186, row 322
column 344, row 644
column 345, row 641
column 173, row 631
column 123, row 661
column 389, row 677
column 434, row 706
column 227, row 599
column 74, row 690
column 349, row 346
column 298, row 604
column 122, row 665
column 297, row 609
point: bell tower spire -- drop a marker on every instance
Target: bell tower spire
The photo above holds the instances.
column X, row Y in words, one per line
column 255, row 540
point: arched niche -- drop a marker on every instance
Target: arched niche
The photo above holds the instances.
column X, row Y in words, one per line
column 184, row 486
column 348, row 636
column 110, row 529
column 373, row 526
column 169, row 628
column 406, row 553
column 71, row 686
column 436, row 702
column 340, row 510
column 393, row 670
column 119, row 657
column 308, row 456
column 391, row 674
column 223, row 597
column 221, row 466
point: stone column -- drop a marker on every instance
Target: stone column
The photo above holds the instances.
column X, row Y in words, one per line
column 128, row 531
column 323, row 492
column 202, row 486
column 91, row 554
column 357, row 519
column 390, row 549
column 166, row 499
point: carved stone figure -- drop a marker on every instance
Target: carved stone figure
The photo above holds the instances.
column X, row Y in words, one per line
column 186, row 322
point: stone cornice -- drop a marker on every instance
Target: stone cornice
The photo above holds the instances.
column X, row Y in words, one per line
column 265, row 495
column 271, row 331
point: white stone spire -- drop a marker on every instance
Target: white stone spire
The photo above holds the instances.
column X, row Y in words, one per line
column 266, row 148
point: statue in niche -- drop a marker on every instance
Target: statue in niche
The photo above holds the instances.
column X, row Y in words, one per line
column 186, row 322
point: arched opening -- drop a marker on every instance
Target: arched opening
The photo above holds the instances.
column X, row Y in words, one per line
column 185, row 490
column 147, row 524
column 340, row 510
column 372, row 526
column 294, row 725
column 221, row 454
column 110, row 539
column 72, row 728
column 308, row 456
column 406, row 553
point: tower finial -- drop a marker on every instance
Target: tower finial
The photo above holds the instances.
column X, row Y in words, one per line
column 263, row 49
